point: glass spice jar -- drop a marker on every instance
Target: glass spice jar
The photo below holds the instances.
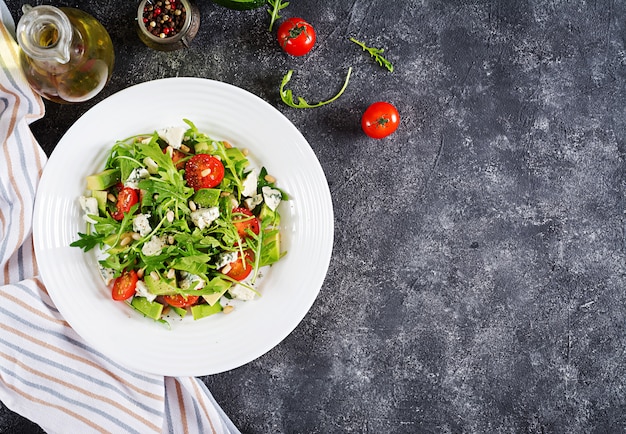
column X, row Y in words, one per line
column 167, row 25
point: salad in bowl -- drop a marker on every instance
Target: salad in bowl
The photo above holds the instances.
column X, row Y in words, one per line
column 181, row 223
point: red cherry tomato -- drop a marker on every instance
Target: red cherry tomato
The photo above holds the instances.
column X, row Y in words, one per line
column 380, row 119
column 124, row 286
column 296, row 36
column 240, row 269
column 245, row 221
column 180, row 300
column 203, row 171
column 126, row 198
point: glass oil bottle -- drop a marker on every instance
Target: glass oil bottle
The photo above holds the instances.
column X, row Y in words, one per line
column 66, row 54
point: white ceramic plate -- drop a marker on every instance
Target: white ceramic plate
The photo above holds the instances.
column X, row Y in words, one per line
column 214, row 344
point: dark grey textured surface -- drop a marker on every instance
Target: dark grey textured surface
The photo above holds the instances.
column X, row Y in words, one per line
column 478, row 274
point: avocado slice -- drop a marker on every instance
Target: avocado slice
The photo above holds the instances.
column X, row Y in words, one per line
column 270, row 249
column 201, row 310
column 203, row 148
column 101, row 197
column 207, row 197
column 179, row 310
column 269, row 217
column 103, row 180
column 162, row 286
column 151, row 309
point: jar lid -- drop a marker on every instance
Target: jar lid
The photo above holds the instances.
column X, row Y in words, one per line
column 167, row 25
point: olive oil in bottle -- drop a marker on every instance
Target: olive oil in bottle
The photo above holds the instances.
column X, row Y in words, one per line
column 67, row 55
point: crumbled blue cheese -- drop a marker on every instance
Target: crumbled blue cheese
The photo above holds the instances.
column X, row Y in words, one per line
column 173, row 136
column 203, row 217
column 108, row 274
column 142, row 291
column 191, row 281
column 250, row 183
column 135, row 176
column 253, row 201
column 141, row 224
column 89, row 206
column 240, row 292
column 153, row 247
column 272, row 197
column 226, row 258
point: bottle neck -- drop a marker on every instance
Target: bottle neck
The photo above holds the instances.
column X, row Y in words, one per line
column 45, row 33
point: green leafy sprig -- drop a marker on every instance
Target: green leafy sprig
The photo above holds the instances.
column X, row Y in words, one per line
column 275, row 7
column 376, row 53
column 287, row 95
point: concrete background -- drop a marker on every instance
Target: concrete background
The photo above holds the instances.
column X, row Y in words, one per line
column 478, row 273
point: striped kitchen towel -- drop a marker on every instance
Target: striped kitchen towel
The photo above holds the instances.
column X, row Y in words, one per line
column 48, row 373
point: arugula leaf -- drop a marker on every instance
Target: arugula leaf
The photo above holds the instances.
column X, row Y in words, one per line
column 87, row 241
column 195, row 264
column 276, row 6
column 376, row 53
column 287, row 95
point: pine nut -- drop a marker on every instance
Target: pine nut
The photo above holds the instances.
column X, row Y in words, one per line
column 170, row 151
column 228, row 309
column 171, row 273
column 227, row 145
column 111, row 198
column 192, row 205
column 245, row 152
column 135, row 236
column 226, row 269
column 140, row 273
column 205, row 172
column 126, row 240
column 225, row 193
column 169, row 215
column 170, row 239
column 185, row 148
column 154, row 275
column 270, row 179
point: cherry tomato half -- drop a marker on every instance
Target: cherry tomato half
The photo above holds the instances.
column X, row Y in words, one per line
column 203, row 171
column 126, row 198
column 182, row 301
column 245, row 221
column 380, row 119
column 124, row 286
column 240, row 269
column 296, row 36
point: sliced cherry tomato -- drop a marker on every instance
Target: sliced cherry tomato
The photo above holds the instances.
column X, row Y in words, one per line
column 380, row 119
column 177, row 157
column 296, row 36
column 245, row 221
column 126, row 198
column 180, row 300
column 124, row 286
column 240, row 269
column 203, row 171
